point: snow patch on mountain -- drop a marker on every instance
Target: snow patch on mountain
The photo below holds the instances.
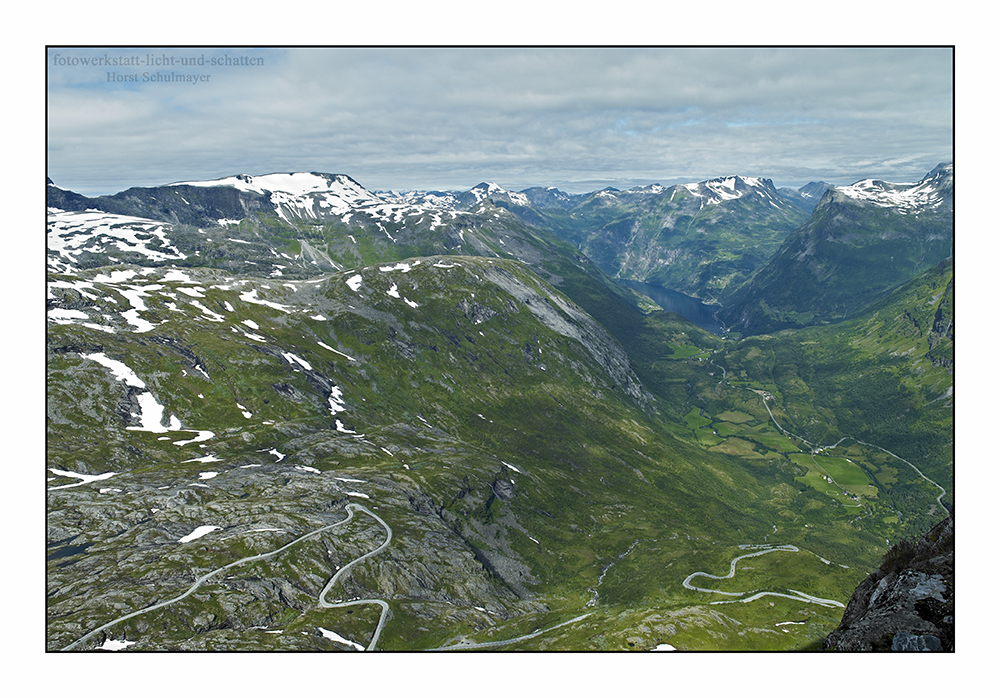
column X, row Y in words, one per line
column 83, row 478
column 400, row 266
column 118, row 369
column 731, row 187
column 198, row 533
column 330, row 635
column 928, row 193
column 65, row 316
column 318, row 197
column 336, row 400
column 251, row 297
column 203, row 435
column 73, row 233
column 151, row 411
column 328, row 347
column 293, row 359
column 151, row 416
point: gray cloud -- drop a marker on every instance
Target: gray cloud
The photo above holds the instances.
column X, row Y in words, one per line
column 574, row 118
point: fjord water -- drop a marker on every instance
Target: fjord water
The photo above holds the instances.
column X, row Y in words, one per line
column 691, row 308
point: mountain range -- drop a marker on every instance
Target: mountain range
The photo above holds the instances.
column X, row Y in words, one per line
column 285, row 412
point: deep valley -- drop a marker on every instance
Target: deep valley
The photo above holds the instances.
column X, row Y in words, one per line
column 286, row 413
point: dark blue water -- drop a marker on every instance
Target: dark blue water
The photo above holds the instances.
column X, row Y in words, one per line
column 691, row 308
column 68, row 550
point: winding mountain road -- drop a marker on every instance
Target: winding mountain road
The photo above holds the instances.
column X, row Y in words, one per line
column 323, row 603
column 800, row 596
column 732, row 570
column 349, row 508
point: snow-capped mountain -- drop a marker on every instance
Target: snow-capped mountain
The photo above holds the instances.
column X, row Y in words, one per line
column 317, row 197
column 719, row 189
column 933, row 191
column 494, row 193
column 304, row 195
column 434, row 199
column 709, row 192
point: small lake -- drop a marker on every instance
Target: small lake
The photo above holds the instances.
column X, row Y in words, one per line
column 691, row 308
column 67, row 551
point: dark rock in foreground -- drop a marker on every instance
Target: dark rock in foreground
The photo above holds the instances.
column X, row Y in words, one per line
column 908, row 604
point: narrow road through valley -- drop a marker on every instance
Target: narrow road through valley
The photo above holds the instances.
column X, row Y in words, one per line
column 813, row 447
column 943, row 492
column 466, row 645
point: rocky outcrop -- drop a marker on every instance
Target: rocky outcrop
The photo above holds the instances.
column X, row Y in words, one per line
column 908, row 604
column 571, row 321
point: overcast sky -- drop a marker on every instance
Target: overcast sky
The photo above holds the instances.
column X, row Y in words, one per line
column 578, row 119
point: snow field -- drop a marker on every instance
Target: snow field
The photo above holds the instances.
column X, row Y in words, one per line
column 886, row 195
column 198, row 533
column 84, row 479
column 330, row 635
column 329, row 348
column 72, row 232
column 293, row 359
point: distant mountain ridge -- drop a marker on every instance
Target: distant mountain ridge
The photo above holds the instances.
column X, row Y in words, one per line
column 727, row 239
column 329, row 214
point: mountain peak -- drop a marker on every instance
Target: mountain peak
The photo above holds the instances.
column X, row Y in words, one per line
column 304, row 195
column 946, row 167
column 286, row 182
column 494, row 192
column 814, row 190
column 729, row 187
column 934, row 190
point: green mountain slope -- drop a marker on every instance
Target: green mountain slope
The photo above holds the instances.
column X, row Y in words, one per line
column 491, row 423
column 861, row 242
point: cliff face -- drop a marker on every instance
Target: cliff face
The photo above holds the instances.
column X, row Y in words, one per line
column 908, row 604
